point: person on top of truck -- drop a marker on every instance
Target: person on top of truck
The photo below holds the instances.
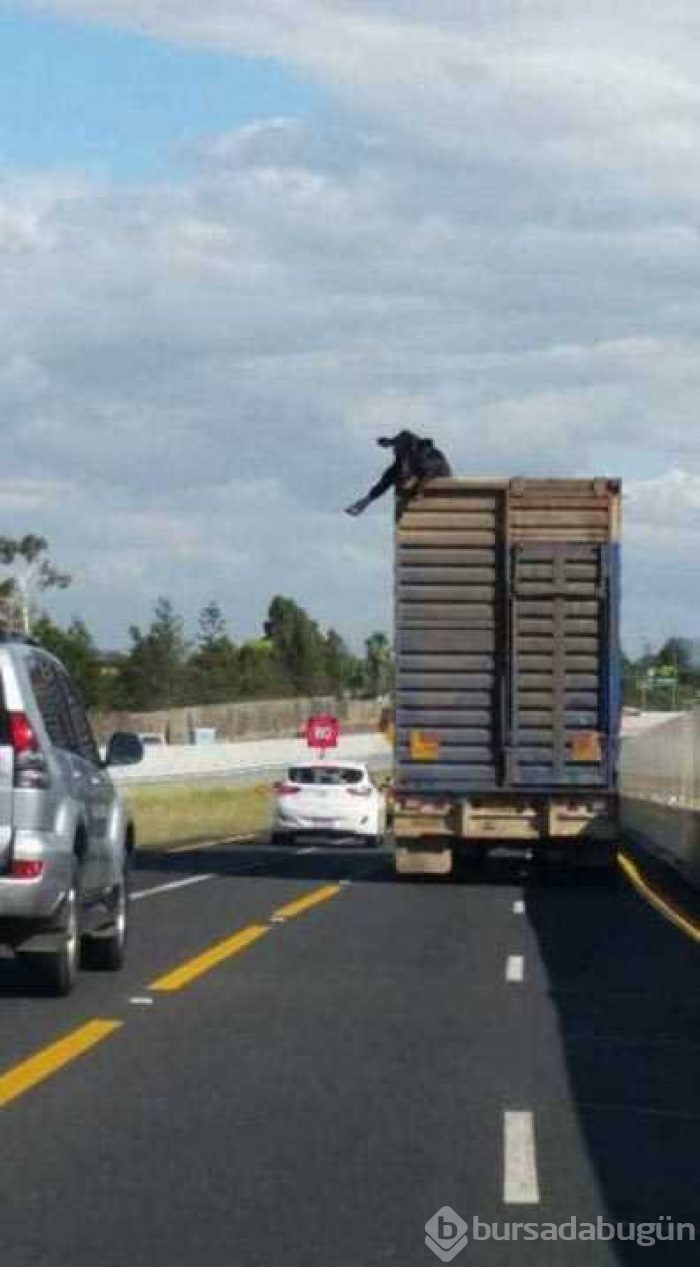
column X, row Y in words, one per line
column 416, row 459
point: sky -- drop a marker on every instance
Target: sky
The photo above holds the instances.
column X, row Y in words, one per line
column 239, row 241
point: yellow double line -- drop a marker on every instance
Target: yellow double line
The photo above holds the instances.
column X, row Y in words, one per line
column 45, row 1063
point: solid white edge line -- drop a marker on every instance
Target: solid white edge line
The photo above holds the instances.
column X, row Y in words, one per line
column 197, row 845
column 515, row 969
column 520, row 1181
column 167, row 888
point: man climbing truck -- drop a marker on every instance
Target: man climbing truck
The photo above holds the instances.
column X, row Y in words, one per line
column 507, row 671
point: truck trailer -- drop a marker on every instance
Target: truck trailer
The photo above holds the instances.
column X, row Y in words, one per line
column 508, row 673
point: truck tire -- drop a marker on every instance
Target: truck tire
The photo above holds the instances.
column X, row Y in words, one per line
column 281, row 838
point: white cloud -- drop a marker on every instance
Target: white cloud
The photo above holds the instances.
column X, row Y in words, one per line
column 493, row 239
column 473, row 77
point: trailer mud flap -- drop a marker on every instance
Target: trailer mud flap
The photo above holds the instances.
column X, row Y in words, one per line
column 412, row 860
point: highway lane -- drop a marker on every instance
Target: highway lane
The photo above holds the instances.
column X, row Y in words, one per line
column 322, row 1092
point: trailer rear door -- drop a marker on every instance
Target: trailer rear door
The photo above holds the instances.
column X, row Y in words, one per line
column 450, row 613
column 560, row 604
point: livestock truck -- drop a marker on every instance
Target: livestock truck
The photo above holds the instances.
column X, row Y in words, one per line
column 508, row 676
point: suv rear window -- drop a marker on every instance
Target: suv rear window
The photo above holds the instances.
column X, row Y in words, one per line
column 324, row 776
column 52, row 703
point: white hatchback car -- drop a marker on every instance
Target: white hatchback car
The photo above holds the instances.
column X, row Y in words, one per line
column 331, row 799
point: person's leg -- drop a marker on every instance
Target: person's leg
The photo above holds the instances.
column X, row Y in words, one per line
column 406, row 491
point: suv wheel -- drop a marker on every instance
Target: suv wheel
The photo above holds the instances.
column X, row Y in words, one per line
column 108, row 953
column 61, row 966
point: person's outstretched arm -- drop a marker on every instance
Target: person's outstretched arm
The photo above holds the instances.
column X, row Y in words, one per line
column 387, row 481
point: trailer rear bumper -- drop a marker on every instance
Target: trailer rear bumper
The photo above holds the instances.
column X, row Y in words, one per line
column 529, row 820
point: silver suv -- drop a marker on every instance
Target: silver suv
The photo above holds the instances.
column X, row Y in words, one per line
column 65, row 834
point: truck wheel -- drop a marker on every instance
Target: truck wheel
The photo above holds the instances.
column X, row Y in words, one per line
column 470, row 861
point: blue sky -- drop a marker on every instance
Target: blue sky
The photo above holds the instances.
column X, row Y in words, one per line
column 239, row 239
column 118, row 103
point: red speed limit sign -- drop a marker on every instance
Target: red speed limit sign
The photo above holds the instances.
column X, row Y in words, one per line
column 322, row 731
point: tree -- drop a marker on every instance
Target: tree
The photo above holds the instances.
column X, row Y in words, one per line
column 76, row 649
column 261, row 673
column 340, row 666
column 213, row 667
column 378, row 664
column 299, row 645
column 153, row 674
column 212, row 628
column 677, row 655
column 31, row 571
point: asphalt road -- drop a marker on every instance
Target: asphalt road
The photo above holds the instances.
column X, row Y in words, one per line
column 520, row 1052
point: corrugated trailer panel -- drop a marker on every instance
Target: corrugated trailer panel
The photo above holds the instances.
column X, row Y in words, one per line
column 507, row 604
column 448, row 588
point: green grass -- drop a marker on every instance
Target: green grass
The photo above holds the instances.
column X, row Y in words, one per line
column 171, row 814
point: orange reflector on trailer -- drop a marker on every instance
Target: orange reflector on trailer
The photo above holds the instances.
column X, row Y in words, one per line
column 587, row 746
column 423, row 746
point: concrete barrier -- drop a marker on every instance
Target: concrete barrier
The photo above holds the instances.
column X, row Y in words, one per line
column 251, row 719
column 180, row 762
column 660, row 783
column 669, row 831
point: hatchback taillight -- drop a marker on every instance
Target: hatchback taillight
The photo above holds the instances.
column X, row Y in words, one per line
column 287, row 789
column 31, row 769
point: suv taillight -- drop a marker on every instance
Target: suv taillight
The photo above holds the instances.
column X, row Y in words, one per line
column 26, row 869
column 31, row 769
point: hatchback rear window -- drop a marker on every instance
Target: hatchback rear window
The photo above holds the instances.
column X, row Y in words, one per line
column 324, row 776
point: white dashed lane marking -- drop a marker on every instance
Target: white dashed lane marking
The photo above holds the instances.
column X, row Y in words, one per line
column 515, row 969
column 520, row 1181
column 168, row 888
